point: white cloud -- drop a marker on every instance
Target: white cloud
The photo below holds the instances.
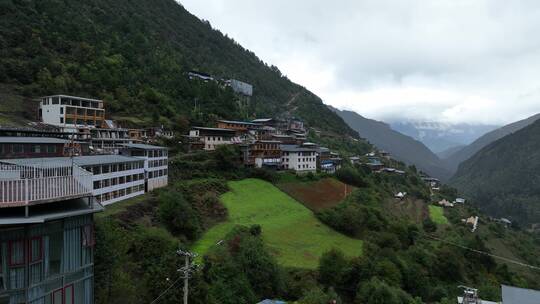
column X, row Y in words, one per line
column 450, row 61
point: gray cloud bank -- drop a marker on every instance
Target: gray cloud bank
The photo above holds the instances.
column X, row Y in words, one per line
column 451, row 61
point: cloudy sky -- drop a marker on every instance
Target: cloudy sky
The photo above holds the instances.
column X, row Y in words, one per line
column 455, row 61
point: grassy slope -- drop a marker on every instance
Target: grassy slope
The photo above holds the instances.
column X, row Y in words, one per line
column 437, row 215
column 290, row 230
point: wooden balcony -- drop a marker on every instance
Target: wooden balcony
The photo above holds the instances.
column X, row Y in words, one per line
column 42, row 183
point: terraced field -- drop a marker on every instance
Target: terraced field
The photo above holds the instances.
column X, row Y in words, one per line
column 318, row 195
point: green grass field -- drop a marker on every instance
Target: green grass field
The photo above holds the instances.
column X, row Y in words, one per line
column 290, row 230
column 437, row 215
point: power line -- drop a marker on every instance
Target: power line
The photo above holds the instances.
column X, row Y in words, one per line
column 166, row 290
column 481, row 252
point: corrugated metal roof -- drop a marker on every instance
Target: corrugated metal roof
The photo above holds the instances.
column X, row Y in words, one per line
column 515, row 295
column 103, row 159
column 32, row 140
column 66, row 161
column 215, row 129
column 143, row 147
column 296, row 148
column 239, row 122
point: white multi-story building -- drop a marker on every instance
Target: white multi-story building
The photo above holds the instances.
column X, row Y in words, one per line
column 155, row 163
column 210, row 138
column 299, row 158
column 115, row 177
column 71, row 113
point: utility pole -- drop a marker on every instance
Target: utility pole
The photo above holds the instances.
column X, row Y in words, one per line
column 187, row 270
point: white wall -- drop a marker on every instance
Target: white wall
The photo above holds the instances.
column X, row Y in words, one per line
column 158, row 182
column 300, row 163
column 51, row 114
column 211, row 142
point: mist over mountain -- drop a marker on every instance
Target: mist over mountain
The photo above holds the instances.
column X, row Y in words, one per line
column 402, row 147
column 438, row 136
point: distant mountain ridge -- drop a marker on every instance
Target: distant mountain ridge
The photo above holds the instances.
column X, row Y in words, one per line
column 402, row 147
column 440, row 136
column 502, row 178
column 454, row 160
column 448, row 152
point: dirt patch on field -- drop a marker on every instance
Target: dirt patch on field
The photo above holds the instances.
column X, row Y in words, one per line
column 318, row 195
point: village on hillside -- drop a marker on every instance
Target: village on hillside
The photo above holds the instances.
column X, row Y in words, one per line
column 74, row 162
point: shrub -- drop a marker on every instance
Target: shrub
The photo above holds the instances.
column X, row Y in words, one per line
column 429, row 225
column 351, row 176
column 332, row 264
column 178, row 215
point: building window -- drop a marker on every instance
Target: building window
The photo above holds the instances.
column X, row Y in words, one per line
column 57, row 297
column 16, row 253
column 51, row 149
column 18, row 148
column 88, row 236
column 36, row 250
column 56, row 243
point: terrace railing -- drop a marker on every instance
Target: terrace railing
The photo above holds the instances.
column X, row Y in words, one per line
column 42, row 183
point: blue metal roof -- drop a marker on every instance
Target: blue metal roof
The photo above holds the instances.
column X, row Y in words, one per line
column 515, row 295
column 267, row 301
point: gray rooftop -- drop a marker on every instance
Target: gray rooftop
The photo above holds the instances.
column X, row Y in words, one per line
column 215, row 129
column 143, row 147
column 296, row 148
column 66, row 161
column 515, row 295
column 238, row 122
column 32, row 140
column 49, row 212
column 103, row 159
column 73, row 97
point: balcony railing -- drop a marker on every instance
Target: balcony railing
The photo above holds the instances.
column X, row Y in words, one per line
column 42, row 183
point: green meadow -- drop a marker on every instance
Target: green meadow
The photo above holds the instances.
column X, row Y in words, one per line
column 290, row 230
column 437, row 215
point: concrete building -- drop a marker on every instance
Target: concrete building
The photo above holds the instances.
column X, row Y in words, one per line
column 71, row 113
column 46, row 233
column 208, row 139
column 156, row 163
column 240, row 87
column 110, row 140
column 114, row 177
column 299, row 158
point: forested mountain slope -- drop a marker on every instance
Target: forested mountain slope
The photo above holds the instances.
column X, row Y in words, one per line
column 452, row 161
column 402, row 147
column 135, row 54
column 503, row 178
